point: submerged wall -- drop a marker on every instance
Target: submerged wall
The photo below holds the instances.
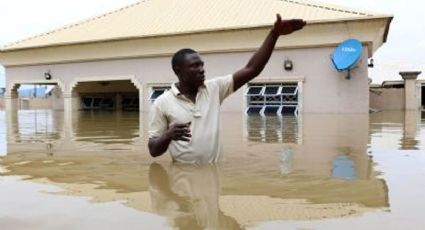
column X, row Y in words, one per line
column 387, row 99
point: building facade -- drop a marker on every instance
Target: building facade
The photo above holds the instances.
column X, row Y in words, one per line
column 121, row 60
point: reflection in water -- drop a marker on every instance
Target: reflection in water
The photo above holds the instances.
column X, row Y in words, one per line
column 286, row 160
column 188, row 195
column 344, row 168
column 53, row 131
column 35, row 126
column 282, row 129
column 3, row 145
column 397, row 130
column 276, row 168
column 95, row 127
column 411, row 121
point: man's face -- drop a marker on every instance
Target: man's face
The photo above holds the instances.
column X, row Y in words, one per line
column 191, row 72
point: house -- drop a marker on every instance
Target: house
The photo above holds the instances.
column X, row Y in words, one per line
column 123, row 57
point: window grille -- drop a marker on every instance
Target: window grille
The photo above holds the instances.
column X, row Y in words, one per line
column 272, row 99
column 156, row 92
column 254, row 109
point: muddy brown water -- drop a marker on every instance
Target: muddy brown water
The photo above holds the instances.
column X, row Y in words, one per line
column 91, row 170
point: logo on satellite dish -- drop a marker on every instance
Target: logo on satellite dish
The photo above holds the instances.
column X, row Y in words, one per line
column 346, row 55
column 348, row 49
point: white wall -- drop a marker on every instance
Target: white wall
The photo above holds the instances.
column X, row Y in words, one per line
column 325, row 90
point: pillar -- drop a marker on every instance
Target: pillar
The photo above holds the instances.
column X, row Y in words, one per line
column 11, row 100
column 410, row 92
column 410, row 129
column 118, row 101
column 141, row 112
column 70, row 102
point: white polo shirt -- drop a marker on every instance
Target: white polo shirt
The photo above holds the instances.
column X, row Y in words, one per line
column 173, row 107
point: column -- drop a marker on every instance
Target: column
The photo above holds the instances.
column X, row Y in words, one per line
column 70, row 107
column 411, row 98
column 11, row 100
column 118, row 102
column 411, row 122
column 70, row 102
column 141, row 113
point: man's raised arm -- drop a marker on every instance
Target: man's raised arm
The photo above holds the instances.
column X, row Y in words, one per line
column 261, row 56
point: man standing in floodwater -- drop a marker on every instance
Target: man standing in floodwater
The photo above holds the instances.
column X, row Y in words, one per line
column 186, row 119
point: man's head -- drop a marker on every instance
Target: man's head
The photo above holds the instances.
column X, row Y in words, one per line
column 189, row 67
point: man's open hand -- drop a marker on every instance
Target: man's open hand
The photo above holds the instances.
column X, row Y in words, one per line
column 284, row 27
column 179, row 132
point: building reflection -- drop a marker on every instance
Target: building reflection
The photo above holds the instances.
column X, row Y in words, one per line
column 329, row 145
column 397, row 130
column 53, row 131
column 409, row 140
column 312, row 134
column 273, row 166
column 106, row 127
column 34, row 126
column 317, row 144
column 3, row 134
column 272, row 129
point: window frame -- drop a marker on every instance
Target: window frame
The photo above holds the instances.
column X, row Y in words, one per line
column 153, row 89
column 282, row 103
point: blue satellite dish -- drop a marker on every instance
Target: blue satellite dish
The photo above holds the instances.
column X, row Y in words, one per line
column 346, row 55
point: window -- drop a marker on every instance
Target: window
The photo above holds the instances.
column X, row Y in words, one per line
column 157, row 91
column 130, row 103
column 272, row 99
column 254, row 109
column 96, row 103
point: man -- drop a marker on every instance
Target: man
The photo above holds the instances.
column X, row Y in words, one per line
column 185, row 119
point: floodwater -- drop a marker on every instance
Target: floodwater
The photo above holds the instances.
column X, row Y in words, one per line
column 91, row 170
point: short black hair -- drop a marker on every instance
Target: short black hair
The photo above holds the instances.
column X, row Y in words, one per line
column 179, row 56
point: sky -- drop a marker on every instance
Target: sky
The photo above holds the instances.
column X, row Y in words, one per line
column 404, row 50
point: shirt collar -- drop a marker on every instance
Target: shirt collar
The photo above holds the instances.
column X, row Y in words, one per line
column 177, row 92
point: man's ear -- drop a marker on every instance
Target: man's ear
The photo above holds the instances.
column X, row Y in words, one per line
column 177, row 70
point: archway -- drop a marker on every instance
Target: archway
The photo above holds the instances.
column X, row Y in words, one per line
column 108, row 95
column 34, row 95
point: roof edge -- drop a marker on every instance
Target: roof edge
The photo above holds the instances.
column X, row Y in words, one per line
column 65, row 27
column 387, row 29
column 260, row 26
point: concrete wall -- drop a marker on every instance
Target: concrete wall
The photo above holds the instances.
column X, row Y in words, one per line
column 387, row 99
column 324, row 89
column 1, row 103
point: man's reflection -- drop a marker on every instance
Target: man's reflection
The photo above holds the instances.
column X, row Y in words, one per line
column 189, row 196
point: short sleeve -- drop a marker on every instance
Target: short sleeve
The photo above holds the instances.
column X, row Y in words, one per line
column 225, row 86
column 158, row 122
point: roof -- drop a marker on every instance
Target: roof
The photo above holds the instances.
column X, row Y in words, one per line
column 150, row 18
column 392, row 83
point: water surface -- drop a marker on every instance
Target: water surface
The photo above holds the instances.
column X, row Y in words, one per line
column 91, row 170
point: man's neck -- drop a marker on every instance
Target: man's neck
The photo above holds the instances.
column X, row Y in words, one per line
column 188, row 91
